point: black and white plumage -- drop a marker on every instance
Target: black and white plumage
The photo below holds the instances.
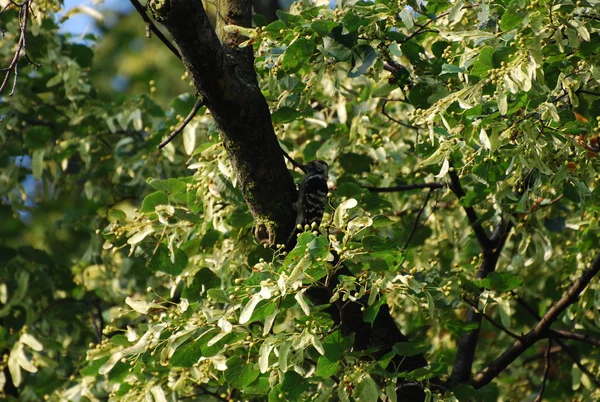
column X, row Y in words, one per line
column 312, row 194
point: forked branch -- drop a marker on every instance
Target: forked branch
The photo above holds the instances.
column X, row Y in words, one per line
column 540, row 330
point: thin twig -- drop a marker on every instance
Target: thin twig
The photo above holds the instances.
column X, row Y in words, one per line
column 546, row 371
column 383, row 111
column 417, row 219
column 151, row 27
column 21, row 46
column 584, row 91
column 179, row 129
column 574, row 336
column 405, row 187
column 491, row 320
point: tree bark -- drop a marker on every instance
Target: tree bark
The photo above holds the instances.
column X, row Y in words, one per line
column 224, row 76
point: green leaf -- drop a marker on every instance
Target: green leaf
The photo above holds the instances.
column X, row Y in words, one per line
column 336, row 50
column 275, row 26
column 289, row 19
column 297, row 55
column 511, row 18
column 451, row 69
column 152, row 200
column 202, row 281
column 370, row 313
column 326, row 367
column 463, row 392
column 318, row 247
column 350, row 190
column 240, row 373
column 161, row 261
column 459, row 328
column 37, row 163
column 336, row 345
column 484, row 63
column 54, row 81
column 500, row 281
column 171, row 186
column 352, row 21
column 183, row 103
column 374, row 243
column 260, row 386
column 366, row 390
column 187, row 355
column 410, row 348
column 323, row 27
column 364, row 57
column 419, row 94
column 354, row 163
column 218, row 295
column 293, row 386
column 91, row 369
column 36, row 137
column 117, row 215
column 285, row 114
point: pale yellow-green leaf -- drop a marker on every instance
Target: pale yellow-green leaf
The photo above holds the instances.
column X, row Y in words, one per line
column 158, row 394
column 581, row 29
column 504, row 310
column 339, row 216
column 142, row 306
column 316, row 342
column 225, row 325
column 502, row 101
column 359, row 223
column 284, row 351
column 216, row 338
column 249, row 308
column 263, row 355
column 139, row 236
column 297, row 274
column 407, row 19
column 484, row 139
column 456, row 12
column 173, row 343
column 444, row 170
column 189, row 137
column 302, row 303
column 436, row 157
column 33, row 343
column 13, row 365
column 573, row 38
column 269, row 320
column 136, row 119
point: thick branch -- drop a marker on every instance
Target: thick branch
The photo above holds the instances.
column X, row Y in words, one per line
column 240, row 111
column 237, row 12
column 467, row 345
column 479, row 231
column 540, row 330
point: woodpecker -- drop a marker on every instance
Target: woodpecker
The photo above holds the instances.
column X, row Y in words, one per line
column 312, row 194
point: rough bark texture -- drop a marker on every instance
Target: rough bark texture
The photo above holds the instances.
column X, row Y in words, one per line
column 223, row 75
